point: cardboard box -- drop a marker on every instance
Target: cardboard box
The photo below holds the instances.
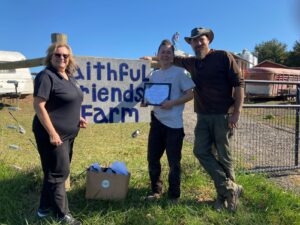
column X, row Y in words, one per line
column 106, row 186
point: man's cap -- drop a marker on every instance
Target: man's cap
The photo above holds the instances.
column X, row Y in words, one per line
column 199, row 31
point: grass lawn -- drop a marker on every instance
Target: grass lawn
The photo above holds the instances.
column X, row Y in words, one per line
column 20, row 182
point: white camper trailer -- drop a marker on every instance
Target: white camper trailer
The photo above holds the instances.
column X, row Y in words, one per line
column 15, row 80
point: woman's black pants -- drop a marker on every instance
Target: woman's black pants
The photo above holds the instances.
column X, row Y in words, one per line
column 55, row 162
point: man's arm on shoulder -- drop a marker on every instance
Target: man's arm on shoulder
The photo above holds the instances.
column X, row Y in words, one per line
column 180, row 61
column 153, row 60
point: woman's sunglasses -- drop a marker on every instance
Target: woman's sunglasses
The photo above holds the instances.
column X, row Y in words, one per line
column 57, row 55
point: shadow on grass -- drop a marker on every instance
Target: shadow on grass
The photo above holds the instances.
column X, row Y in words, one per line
column 134, row 209
column 19, row 195
column 135, row 201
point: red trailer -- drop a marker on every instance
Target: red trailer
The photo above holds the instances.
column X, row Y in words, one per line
column 271, row 74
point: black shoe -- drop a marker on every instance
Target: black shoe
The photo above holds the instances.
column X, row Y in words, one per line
column 70, row 220
column 220, row 203
column 42, row 213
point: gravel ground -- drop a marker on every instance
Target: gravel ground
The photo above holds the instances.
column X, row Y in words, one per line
column 260, row 147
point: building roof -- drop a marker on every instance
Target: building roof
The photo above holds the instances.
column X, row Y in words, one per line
column 268, row 70
column 271, row 64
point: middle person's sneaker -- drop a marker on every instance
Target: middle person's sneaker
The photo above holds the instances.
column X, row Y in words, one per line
column 153, row 197
column 42, row 213
column 68, row 219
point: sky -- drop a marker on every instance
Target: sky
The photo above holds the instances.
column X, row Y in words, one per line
column 134, row 28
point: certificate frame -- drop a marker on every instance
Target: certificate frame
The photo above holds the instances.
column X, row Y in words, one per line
column 147, row 95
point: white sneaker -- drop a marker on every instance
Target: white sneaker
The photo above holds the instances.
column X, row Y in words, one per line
column 70, row 220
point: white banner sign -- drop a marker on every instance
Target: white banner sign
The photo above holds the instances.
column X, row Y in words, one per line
column 113, row 89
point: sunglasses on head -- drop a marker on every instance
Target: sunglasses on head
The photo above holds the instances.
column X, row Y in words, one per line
column 57, row 55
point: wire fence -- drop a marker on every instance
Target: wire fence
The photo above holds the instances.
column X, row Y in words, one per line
column 266, row 139
column 268, row 136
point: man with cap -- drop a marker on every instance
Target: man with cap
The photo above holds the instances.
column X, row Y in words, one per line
column 219, row 88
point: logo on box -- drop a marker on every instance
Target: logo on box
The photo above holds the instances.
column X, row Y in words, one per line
column 105, row 183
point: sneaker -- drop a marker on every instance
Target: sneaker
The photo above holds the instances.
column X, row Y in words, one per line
column 220, row 203
column 41, row 213
column 233, row 198
column 153, row 197
column 70, row 220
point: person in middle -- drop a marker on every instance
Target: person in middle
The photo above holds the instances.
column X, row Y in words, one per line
column 166, row 127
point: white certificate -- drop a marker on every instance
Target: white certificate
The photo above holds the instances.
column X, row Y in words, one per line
column 156, row 93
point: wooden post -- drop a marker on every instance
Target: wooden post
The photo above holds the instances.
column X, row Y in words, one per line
column 58, row 37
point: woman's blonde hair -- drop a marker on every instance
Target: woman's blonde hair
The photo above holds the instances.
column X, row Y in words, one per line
column 71, row 67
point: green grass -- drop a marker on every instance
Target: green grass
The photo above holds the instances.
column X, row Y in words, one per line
column 20, row 182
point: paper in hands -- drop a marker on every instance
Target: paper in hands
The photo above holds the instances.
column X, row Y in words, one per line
column 156, row 93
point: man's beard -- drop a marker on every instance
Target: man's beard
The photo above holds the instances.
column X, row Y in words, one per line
column 200, row 52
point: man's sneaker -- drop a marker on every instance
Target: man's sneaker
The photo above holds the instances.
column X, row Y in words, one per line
column 153, row 197
column 41, row 213
column 69, row 219
column 220, row 203
column 233, row 198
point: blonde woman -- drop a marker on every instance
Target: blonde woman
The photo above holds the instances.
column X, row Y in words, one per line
column 57, row 102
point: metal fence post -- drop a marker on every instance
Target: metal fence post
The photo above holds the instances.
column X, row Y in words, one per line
column 297, row 127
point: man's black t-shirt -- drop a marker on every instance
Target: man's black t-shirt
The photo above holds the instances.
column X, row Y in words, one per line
column 214, row 77
column 63, row 101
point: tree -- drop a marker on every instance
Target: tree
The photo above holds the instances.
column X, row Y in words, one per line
column 271, row 50
column 293, row 58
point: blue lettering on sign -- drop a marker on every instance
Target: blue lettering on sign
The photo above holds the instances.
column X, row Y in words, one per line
column 103, row 95
column 88, row 71
column 130, row 112
column 123, row 73
column 79, row 75
column 112, row 74
column 140, row 93
column 99, row 116
column 144, row 78
column 113, row 94
column 112, row 90
column 99, row 67
column 86, row 111
column 84, row 89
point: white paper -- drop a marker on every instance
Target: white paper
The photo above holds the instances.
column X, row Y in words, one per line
column 156, row 94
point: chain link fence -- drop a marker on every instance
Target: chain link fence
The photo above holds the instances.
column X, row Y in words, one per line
column 266, row 138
